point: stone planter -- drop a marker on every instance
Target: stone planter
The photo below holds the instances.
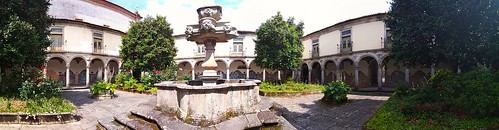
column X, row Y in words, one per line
column 104, row 95
column 38, row 119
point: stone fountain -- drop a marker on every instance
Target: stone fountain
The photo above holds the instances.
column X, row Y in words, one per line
column 214, row 100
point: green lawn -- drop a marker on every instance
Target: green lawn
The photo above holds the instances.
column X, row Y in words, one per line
column 290, row 87
column 389, row 116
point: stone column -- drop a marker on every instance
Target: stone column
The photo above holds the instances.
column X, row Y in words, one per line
column 228, row 73
column 209, row 74
column 105, row 73
column 193, row 73
column 322, row 75
column 309, row 75
column 247, row 72
column 87, row 81
column 279, row 75
column 380, row 74
column 263, row 74
column 407, row 80
column 356, row 76
column 338, row 73
column 67, row 74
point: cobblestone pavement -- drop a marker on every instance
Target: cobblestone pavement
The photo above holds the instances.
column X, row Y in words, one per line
column 90, row 110
column 307, row 112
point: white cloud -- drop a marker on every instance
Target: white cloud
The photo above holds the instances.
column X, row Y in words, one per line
column 249, row 14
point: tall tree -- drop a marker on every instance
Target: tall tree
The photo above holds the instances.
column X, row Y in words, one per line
column 148, row 45
column 23, row 39
column 457, row 33
column 278, row 45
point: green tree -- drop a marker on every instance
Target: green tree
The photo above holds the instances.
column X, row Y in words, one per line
column 453, row 32
column 148, row 45
column 23, row 40
column 278, row 45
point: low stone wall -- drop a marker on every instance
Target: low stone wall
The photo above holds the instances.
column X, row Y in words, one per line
column 37, row 119
column 208, row 103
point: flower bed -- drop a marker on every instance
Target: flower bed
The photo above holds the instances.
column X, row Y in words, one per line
column 55, row 110
column 289, row 89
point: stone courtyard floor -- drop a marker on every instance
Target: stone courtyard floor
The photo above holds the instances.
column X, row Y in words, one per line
column 305, row 112
column 308, row 113
column 90, row 110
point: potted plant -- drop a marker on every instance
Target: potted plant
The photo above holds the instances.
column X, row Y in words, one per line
column 103, row 90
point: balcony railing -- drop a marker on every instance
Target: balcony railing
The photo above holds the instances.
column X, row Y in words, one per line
column 98, row 51
column 56, row 48
column 236, row 53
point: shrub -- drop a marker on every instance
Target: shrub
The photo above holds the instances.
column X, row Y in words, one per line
column 154, row 90
column 130, row 84
column 336, row 92
column 186, row 77
column 100, row 87
column 45, row 88
column 121, row 78
column 140, row 87
column 148, row 81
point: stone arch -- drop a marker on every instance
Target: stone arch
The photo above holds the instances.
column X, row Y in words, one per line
column 238, row 65
column 316, row 73
column 77, row 71
column 185, row 67
column 198, row 70
column 330, row 69
column 96, row 69
column 221, row 68
column 304, row 73
column 78, row 56
column 375, row 57
column 113, row 59
column 368, row 71
column 56, row 68
column 347, row 71
column 57, row 56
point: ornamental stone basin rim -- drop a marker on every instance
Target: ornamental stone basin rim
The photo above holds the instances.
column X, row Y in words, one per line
column 227, row 84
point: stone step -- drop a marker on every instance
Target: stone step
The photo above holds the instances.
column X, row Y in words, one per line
column 109, row 124
column 163, row 120
column 134, row 122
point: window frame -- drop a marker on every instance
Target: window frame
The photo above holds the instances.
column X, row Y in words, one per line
column 100, row 38
column 344, row 35
column 61, row 33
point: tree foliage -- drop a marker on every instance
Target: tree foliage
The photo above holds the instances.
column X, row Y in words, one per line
column 23, row 39
column 453, row 32
column 148, row 45
column 278, row 45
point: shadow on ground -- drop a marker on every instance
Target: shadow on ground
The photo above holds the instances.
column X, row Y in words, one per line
column 320, row 115
column 79, row 97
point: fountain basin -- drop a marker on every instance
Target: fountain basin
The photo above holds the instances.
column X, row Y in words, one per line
column 212, row 103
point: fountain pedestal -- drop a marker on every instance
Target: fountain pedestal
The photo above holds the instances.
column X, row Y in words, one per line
column 210, row 102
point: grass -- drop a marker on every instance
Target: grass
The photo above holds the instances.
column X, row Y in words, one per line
column 389, row 116
column 32, row 106
column 290, row 86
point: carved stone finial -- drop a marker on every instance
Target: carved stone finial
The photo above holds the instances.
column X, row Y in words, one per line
column 188, row 30
column 208, row 25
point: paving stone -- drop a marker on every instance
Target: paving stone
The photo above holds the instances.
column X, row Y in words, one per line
column 236, row 123
column 267, row 117
column 253, row 121
column 306, row 112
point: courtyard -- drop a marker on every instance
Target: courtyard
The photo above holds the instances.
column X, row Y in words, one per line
column 305, row 112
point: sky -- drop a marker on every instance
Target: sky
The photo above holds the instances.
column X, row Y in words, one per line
column 247, row 15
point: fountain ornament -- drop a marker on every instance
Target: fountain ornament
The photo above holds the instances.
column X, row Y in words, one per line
column 213, row 100
column 209, row 31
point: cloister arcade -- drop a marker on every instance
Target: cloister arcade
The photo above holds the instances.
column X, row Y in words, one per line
column 372, row 68
column 81, row 70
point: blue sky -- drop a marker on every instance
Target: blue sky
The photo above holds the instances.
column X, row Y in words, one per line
column 141, row 4
column 247, row 15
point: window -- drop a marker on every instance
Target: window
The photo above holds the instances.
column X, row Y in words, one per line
column 97, row 41
column 387, row 38
column 238, row 44
column 315, row 48
column 346, row 41
column 56, row 37
column 201, row 48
